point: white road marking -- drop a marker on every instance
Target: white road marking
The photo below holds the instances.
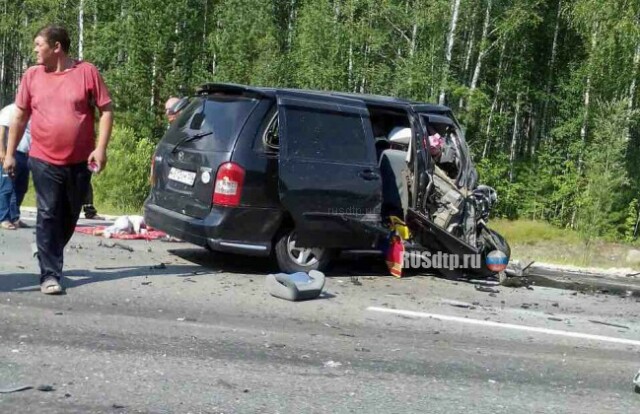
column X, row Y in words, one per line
column 505, row 325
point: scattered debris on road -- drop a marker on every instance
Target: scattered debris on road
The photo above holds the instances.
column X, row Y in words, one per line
column 332, row 364
column 158, row 266
column 636, row 382
column 15, row 389
column 486, row 289
column 296, row 286
column 45, row 388
column 615, row 325
column 457, row 304
column 275, row 346
column 112, row 244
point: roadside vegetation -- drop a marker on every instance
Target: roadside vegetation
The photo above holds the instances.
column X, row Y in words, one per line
column 547, row 89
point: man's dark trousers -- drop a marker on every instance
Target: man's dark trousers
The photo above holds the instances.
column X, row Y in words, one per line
column 60, row 193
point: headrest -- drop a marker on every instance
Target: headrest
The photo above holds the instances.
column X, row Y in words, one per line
column 400, row 135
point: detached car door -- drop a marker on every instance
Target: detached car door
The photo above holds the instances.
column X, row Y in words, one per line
column 329, row 178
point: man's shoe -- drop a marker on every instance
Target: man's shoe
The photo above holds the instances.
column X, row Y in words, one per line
column 7, row 225
column 20, row 224
column 50, row 286
column 93, row 216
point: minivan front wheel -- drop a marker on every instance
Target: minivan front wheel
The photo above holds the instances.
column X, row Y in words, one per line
column 292, row 258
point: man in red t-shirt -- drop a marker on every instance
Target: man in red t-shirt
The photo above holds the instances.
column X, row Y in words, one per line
column 59, row 95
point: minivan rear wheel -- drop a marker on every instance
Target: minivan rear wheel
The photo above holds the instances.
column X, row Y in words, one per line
column 292, row 258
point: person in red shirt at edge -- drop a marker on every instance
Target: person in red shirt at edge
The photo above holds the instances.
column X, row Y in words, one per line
column 59, row 95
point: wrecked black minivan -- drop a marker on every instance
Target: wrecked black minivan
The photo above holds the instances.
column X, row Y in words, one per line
column 303, row 175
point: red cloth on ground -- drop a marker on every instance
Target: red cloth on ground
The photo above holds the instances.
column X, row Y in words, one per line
column 150, row 235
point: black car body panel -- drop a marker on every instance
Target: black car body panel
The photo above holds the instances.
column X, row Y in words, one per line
column 307, row 160
column 328, row 171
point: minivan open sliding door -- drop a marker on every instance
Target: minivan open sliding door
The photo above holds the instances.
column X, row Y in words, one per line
column 329, row 178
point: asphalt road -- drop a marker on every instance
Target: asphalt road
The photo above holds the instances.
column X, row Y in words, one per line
column 170, row 328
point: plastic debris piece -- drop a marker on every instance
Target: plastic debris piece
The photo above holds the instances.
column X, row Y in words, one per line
column 307, row 286
column 45, row 388
column 332, row 364
column 15, row 389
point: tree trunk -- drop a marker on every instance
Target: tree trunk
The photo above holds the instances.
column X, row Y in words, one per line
column 552, row 61
column 449, row 50
column 514, row 139
column 483, row 47
column 494, row 104
column 632, row 88
column 204, row 23
column 80, row 29
column 587, row 97
column 154, row 68
column 470, row 42
column 292, row 16
column 3, row 55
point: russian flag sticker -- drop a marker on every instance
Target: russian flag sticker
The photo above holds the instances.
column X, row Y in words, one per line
column 497, row 261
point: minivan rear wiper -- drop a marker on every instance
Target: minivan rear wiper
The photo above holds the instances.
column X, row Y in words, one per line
column 190, row 138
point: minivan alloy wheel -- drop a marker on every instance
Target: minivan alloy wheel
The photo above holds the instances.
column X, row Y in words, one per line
column 304, row 256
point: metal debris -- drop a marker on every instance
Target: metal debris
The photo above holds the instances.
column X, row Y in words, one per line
column 45, row 388
column 15, row 389
column 112, row 244
column 486, row 289
column 615, row 325
column 457, row 304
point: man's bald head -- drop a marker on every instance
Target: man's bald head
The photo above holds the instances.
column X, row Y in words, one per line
column 168, row 108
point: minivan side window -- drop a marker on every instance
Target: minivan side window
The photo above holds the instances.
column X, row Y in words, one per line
column 326, row 135
column 271, row 136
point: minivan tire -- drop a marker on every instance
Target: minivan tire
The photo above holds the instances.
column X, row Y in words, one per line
column 291, row 259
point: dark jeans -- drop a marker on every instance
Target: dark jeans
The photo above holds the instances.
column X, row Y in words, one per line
column 12, row 190
column 21, row 181
column 60, row 193
column 89, row 209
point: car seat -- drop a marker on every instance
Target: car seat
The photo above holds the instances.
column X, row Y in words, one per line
column 395, row 183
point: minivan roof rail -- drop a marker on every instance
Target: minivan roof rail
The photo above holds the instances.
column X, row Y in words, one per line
column 234, row 88
column 230, row 88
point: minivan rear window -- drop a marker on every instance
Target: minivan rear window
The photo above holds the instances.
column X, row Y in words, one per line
column 221, row 115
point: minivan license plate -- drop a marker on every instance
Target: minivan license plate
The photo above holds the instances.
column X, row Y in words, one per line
column 182, row 176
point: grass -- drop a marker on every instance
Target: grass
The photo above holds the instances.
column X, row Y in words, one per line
column 542, row 242
column 530, row 231
column 529, row 240
column 103, row 208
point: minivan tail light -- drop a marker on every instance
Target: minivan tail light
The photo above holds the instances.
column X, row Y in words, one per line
column 228, row 187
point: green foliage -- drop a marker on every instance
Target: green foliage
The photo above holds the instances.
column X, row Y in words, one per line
column 124, row 184
column 533, row 231
column 554, row 72
column 605, row 179
column 630, row 221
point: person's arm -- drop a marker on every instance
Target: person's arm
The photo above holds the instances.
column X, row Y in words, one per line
column 3, row 151
column 99, row 155
column 16, row 130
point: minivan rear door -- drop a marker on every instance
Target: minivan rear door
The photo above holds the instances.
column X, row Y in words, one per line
column 198, row 142
column 329, row 178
